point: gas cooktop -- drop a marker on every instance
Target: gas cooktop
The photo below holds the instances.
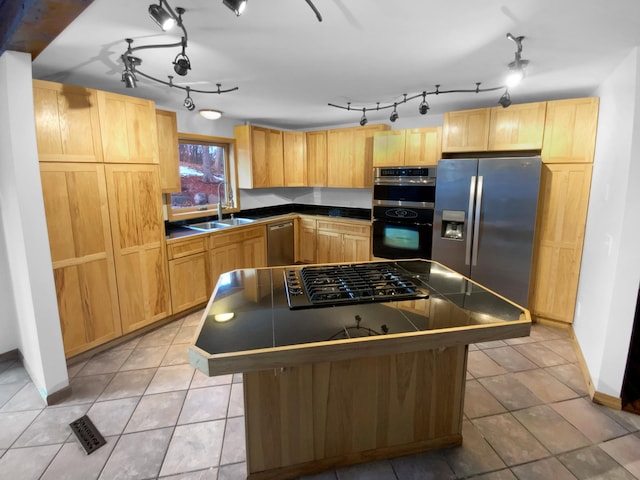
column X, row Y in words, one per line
column 333, row 285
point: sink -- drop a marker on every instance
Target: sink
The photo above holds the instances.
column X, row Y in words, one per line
column 227, row 222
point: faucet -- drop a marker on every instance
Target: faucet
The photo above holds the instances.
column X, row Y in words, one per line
column 220, row 207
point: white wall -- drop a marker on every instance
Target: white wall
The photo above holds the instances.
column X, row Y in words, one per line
column 610, row 271
column 8, row 321
column 334, row 197
column 25, row 232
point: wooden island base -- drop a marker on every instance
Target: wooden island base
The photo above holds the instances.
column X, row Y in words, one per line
column 314, row 417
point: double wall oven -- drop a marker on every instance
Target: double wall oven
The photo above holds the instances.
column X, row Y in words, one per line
column 403, row 206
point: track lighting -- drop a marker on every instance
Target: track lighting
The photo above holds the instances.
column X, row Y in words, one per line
column 163, row 18
column 394, row 114
column 188, row 102
column 423, row 108
column 181, row 63
column 516, row 68
column 505, row 99
column 236, row 6
column 363, row 120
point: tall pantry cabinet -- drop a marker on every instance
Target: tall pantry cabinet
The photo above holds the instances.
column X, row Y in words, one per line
column 104, row 212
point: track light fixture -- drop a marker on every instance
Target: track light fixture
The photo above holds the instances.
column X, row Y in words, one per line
column 181, row 63
column 517, row 66
column 236, row 6
column 161, row 16
column 505, row 99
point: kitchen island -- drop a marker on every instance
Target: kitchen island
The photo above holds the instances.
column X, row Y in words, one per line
column 348, row 380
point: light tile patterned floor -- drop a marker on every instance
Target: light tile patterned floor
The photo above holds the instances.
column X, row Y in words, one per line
column 527, row 416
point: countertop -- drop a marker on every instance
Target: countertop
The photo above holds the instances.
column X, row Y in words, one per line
column 265, row 333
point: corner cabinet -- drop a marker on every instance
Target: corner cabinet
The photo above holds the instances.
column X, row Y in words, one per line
column 128, row 129
column 75, row 201
column 168, row 154
column 67, row 123
column 135, row 208
column 259, row 157
column 350, row 156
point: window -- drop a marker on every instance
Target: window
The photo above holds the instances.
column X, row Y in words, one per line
column 205, row 167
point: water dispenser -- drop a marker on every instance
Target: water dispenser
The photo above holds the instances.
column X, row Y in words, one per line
column 453, row 224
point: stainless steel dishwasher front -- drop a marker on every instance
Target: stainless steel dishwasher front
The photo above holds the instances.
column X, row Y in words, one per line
column 280, row 244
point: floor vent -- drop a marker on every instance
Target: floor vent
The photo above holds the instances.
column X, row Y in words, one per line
column 87, row 434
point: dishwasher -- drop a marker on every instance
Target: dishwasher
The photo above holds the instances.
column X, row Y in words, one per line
column 280, row 244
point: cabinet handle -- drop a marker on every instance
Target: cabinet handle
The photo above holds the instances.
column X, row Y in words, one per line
column 472, row 194
column 476, row 221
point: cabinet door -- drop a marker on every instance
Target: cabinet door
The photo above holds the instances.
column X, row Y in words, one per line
column 519, row 127
column 306, row 240
column 224, row 259
column 356, row 248
column 275, row 158
column 128, row 127
column 139, row 244
column 254, row 252
column 423, row 146
column 570, row 131
column 317, row 158
column 295, row 159
column 189, row 281
column 340, row 158
column 466, row 130
column 388, row 148
column 67, row 123
column 82, row 254
column 168, row 151
column 562, row 215
column 362, row 175
column 329, row 247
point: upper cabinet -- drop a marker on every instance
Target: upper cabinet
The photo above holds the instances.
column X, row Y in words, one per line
column 466, row 130
column 67, row 123
column 413, row 147
column 518, row 127
column 168, row 151
column 350, row 156
column 317, row 158
column 260, row 157
column 295, row 159
column 570, row 131
column 128, row 127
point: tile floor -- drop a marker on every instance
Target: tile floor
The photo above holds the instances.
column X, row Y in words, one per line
column 527, row 416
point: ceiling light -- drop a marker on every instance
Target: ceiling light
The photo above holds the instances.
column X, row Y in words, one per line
column 423, row 108
column 210, row 114
column 129, row 79
column 505, row 99
column 516, row 68
column 188, row 102
column 161, row 17
column 181, row 64
column 363, row 120
column 236, row 6
column 394, row 114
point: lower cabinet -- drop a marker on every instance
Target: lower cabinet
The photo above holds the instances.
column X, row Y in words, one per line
column 343, row 241
column 189, row 272
column 243, row 248
column 306, row 252
column 81, row 252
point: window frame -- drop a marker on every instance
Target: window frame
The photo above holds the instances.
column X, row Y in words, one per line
column 231, row 177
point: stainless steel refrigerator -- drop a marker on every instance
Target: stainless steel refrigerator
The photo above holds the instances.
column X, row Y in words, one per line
column 484, row 222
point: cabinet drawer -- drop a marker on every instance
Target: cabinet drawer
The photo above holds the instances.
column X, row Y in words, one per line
column 348, row 228
column 187, row 247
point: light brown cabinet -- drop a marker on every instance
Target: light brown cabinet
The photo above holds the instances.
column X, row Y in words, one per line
column 128, row 129
column 189, row 272
column 244, row 247
column 562, row 215
column 295, row 159
column 343, row 241
column 168, row 151
column 518, row 127
column 135, row 208
column 570, row 131
column 350, row 156
column 260, row 158
column 317, row 158
column 466, row 130
column 83, row 265
column 306, row 251
column 417, row 147
column 67, row 123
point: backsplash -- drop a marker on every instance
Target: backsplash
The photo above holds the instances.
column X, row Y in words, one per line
column 339, row 197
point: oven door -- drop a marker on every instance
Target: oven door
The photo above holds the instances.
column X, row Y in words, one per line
column 401, row 239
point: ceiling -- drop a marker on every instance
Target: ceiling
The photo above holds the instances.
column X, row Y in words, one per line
column 288, row 66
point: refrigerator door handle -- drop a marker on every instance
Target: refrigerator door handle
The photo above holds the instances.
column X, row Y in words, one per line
column 472, row 195
column 476, row 222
